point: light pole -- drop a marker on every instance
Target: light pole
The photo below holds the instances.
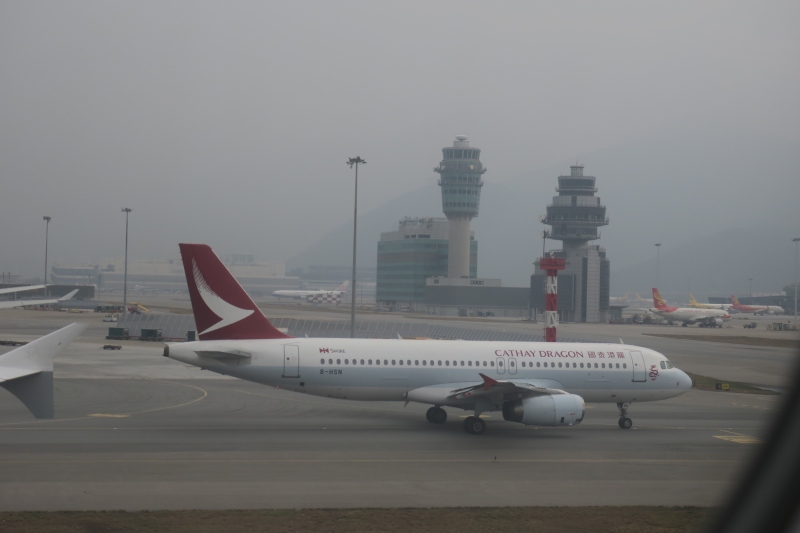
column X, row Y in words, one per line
column 127, row 211
column 46, row 238
column 751, row 290
column 658, row 258
column 354, row 161
column 796, row 240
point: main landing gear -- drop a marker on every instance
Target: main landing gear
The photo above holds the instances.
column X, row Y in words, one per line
column 436, row 415
column 474, row 425
column 624, row 421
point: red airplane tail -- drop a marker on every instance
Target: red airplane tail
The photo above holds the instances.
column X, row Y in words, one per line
column 658, row 301
column 222, row 309
column 735, row 300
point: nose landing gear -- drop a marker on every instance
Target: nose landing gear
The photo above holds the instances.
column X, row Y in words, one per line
column 624, row 421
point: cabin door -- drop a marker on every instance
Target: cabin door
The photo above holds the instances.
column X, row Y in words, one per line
column 291, row 361
column 637, row 362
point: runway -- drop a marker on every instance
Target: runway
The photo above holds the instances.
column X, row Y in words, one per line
column 136, row 431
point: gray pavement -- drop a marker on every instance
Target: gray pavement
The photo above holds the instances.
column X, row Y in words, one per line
column 137, row 431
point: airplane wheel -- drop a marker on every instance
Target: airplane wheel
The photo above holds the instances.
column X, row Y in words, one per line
column 625, row 423
column 429, row 414
column 474, row 425
column 437, row 415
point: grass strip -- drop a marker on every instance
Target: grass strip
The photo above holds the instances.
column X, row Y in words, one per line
column 744, row 340
column 638, row 519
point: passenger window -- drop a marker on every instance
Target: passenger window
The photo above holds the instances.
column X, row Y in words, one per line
column 408, row 362
column 377, row 361
column 492, row 364
column 362, row 361
column 439, row 363
column 484, row 363
column 499, row 363
column 322, row 361
column 523, row 364
column 470, row 363
column 330, row 361
column 462, row 363
column 538, row 364
column 559, row 365
column 581, row 365
column 624, row 365
column 416, row 363
column 574, row 365
column 345, row 362
column 455, row 363
column 617, row 365
column 424, row 363
column 603, row 365
column 393, row 363
column 401, row 362
column 447, row 363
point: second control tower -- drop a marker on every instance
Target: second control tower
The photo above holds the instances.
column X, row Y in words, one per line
column 461, row 180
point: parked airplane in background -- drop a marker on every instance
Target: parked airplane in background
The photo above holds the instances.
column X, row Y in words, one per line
column 697, row 305
column 755, row 309
column 688, row 315
column 27, row 371
column 315, row 296
column 533, row 383
column 8, row 304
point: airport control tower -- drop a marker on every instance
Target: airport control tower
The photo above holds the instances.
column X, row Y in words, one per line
column 575, row 217
column 461, row 180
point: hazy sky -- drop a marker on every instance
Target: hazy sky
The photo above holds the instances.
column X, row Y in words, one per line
column 230, row 122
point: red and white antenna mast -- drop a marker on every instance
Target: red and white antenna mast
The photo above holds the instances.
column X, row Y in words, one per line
column 552, row 265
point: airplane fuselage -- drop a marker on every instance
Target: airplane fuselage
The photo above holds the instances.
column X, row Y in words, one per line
column 691, row 315
column 427, row 371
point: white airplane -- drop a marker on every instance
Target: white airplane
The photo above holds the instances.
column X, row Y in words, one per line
column 8, row 304
column 704, row 318
column 10, row 290
column 315, row 296
column 533, row 383
column 755, row 309
column 27, row 371
column 694, row 303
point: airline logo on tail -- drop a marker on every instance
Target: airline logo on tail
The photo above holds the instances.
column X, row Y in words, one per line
column 343, row 286
column 221, row 307
column 658, row 300
column 735, row 300
column 228, row 314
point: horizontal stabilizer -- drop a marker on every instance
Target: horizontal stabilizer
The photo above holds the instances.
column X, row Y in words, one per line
column 27, row 371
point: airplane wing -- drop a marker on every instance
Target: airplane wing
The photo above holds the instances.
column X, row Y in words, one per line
column 492, row 387
column 10, row 290
column 8, row 304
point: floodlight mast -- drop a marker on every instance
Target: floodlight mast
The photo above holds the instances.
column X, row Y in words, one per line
column 354, row 161
column 127, row 211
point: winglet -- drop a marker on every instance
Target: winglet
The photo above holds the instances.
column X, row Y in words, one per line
column 68, row 296
column 488, row 382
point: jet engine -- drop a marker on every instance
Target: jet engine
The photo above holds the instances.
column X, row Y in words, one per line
column 550, row 410
column 718, row 322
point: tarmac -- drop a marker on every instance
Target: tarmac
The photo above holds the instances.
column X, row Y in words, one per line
column 136, row 431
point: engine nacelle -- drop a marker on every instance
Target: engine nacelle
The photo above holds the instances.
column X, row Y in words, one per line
column 550, row 410
column 718, row 322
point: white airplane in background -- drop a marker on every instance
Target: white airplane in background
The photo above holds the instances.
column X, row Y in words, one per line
column 688, row 315
column 755, row 309
column 694, row 303
column 315, row 296
column 27, row 371
column 8, row 304
column 533, row 383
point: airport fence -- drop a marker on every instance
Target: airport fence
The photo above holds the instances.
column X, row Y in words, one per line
column 175, row 326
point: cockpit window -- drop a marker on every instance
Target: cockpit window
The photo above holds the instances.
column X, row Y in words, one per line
column 663, row 365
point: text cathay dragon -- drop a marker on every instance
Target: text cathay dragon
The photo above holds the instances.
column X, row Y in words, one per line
column 540, row 384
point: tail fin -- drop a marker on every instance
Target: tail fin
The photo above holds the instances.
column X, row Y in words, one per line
column 658, row 300
column 692, row 301
column 27, row 371
column 222, row 309
column 735, row 300
column 343, row 286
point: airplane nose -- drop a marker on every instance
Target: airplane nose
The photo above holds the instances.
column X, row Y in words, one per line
column 684, row 382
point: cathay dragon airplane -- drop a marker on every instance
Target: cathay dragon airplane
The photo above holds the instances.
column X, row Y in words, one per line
column 8, row 304
column 27, row 371
column 755, row 309
column 705, row 318
column 315, row 296
column 536, row 383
